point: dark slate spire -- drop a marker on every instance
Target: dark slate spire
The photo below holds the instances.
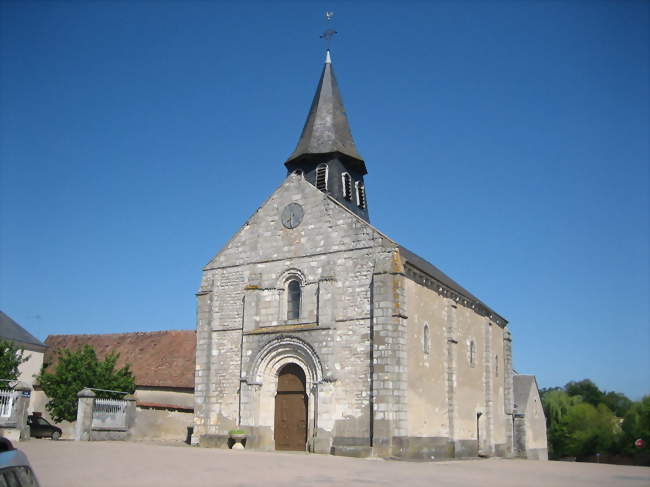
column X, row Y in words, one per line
column 326, row 130
column 326, row 155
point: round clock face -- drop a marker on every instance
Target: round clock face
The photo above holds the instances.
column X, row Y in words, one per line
column 292, row 215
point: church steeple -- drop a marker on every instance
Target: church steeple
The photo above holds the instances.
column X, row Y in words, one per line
column 326, row 154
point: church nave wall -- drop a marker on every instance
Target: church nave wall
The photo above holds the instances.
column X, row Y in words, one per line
column 427, row 363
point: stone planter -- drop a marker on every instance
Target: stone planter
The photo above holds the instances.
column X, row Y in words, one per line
column 239, row 441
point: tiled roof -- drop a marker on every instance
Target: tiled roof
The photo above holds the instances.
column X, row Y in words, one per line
column 12, row 331
column 428, row 268
column 157, row 359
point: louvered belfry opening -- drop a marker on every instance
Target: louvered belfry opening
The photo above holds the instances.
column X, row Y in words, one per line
column 361, row 196
column 321, row 177
column 347, row 186
column 291, row 409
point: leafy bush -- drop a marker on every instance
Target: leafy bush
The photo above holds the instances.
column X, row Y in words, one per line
column 77, row 370
column 237, row 432
column 583, row 421
column 11, row 356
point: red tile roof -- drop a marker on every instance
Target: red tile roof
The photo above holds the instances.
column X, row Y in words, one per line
column 158, row 358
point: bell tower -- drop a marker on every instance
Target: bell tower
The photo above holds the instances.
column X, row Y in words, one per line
column 326, row 155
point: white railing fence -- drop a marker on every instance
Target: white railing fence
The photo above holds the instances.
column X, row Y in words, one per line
column 7, row 398
column 109, row 414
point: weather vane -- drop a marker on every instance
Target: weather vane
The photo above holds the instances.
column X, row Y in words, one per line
column 329, row 33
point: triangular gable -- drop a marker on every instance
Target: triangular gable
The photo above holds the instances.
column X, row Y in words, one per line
column 326, row 227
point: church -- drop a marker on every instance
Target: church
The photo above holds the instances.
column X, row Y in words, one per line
column 317, row 332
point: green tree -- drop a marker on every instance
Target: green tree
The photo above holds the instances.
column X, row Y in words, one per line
column 636, row 425
column 618, row 403
column 557, row 404
column 590, row 429
column 587, row 390
column 11, row 356
column 77, row 370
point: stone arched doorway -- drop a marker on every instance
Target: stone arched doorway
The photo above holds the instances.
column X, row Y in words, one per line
column 291, row 409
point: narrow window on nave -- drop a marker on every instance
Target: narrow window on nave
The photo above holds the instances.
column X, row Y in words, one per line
column 361, row 195
column 293, row 300
column 472, row 354
column 426, row 340
column 496, row 365
column 321, row 177
column 347, row 186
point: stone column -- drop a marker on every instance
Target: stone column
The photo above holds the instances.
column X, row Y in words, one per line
column 21, row 406
column 326, row 311
column 507, row 373
column 202, row 369
column 452, row 342
column 508, row 391
column 389, row 358
column 519, row 433
column 251, row 307
column 486, row 447
column 86, row 399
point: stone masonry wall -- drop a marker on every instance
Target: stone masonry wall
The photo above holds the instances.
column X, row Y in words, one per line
column 451, row 385
column 242, row 310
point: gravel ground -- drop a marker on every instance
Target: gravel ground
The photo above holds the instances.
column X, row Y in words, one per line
column 134, row 464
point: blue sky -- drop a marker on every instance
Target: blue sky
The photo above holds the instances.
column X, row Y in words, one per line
column 506, row 142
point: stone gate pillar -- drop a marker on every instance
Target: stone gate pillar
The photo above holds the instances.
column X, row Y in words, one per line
column 21, row 406
column 130, row 410
column 86, row 399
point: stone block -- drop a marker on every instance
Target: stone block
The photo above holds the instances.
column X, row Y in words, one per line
column 214, row 441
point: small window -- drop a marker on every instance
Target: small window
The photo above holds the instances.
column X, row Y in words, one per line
column 347, row 186
column 361, row 195
column 293, row 300
column 426, row 340
column 472, row 354
column 496, row 365
column 321, row 177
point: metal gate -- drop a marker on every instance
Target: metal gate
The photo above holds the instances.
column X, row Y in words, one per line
column 109, row 414
column 7, row 397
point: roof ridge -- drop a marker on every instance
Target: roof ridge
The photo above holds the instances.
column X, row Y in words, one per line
column 451, row 283
column 117, row 334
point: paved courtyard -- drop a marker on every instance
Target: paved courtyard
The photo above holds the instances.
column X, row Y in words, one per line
column 125, row 464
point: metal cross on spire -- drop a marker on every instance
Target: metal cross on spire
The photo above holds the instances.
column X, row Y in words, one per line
column 329, row 32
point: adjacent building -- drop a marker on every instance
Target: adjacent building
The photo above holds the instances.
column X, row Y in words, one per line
column 162, row 363
column 34, row 349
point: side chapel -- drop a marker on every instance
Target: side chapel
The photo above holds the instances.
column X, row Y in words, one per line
column 317, row 332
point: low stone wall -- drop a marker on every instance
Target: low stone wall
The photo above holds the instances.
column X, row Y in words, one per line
column 161, row 424
column 150, row 423
column 14, row 425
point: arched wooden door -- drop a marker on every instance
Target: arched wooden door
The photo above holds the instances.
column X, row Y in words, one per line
column 291, row 409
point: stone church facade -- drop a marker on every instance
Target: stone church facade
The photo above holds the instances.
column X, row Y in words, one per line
column 317, row 332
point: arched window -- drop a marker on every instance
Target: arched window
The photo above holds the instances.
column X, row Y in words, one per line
column 321, row 177
column 361, row 195
column 426, row 340
column 347, row 186
column 293, row 300
column 472, row 354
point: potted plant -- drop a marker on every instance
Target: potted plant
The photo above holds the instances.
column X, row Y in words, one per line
column 238, row 436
